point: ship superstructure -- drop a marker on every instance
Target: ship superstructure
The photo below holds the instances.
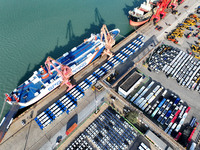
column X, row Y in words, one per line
column 140, row 15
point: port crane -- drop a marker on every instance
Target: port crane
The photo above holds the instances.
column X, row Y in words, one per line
column 160, row 13
column 173, row 4
column 109, row 41
column 65, row 71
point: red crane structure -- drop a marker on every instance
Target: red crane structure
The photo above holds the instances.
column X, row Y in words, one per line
column 173, row 4
column 160, row 13
column 109, row 41
column 63, row 70
column 180, row 1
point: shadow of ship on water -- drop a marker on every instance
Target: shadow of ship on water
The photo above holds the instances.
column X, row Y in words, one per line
column 74, row 41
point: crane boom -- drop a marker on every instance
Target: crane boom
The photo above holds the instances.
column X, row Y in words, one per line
column 65, row 72
column 109, row 41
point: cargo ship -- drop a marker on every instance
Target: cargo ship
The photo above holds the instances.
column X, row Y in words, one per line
column 41, row 83
column 140, row 15
column 151, row 10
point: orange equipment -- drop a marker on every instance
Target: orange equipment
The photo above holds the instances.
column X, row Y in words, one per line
column 8, row 98
column 109, row 41
column 65, row 72
column 170, row 38
column 44, row 74
column 71, row 129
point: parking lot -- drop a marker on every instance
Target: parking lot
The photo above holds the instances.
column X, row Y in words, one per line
column 162, row 106
column 109, row 131
column 80, row 143
column 178, row 65
column 186, row 33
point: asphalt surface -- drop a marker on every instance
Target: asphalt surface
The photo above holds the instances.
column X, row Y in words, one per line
column 32, row 137
column 82, row 115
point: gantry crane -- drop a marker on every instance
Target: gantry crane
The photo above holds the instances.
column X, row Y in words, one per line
column 173, row 4
column 109, row 41
column 160, row 13
column 65, row 72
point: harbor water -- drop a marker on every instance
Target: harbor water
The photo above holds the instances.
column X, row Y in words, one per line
column 32, row 30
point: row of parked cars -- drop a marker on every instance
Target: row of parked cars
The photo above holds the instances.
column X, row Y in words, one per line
column 162, row 105
column 110, row 131
column 80, row 143
column 178, row 65
column 143, row 146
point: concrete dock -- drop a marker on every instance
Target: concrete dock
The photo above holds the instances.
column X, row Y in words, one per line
column 31, row 136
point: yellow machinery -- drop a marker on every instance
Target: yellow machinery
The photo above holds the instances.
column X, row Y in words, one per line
column 197, row 19
column 171, row 38
column 198, row 79
column 177, row 33
column 195, row 49
column 190, row 21
column 198, row 57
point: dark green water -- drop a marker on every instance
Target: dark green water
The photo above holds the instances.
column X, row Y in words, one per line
column 31, row 30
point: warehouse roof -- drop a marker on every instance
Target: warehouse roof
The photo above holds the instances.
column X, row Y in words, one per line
column 157, row 141
column 130, row 81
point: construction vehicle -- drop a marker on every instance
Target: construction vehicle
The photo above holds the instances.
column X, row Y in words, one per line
column 195, row 49
column 194, row 16
column 189, row 28
column 197, row 43
column 171, row 38
column 196, row 34
column 198, row 57
column 190, row 21
column 182, row 26
column 178, row 32
column 189, row 35
column 198, row 10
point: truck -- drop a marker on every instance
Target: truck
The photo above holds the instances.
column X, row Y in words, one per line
column 71, row 129
column 159, row 106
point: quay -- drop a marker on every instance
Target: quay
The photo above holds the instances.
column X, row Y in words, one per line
column 30, row 136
